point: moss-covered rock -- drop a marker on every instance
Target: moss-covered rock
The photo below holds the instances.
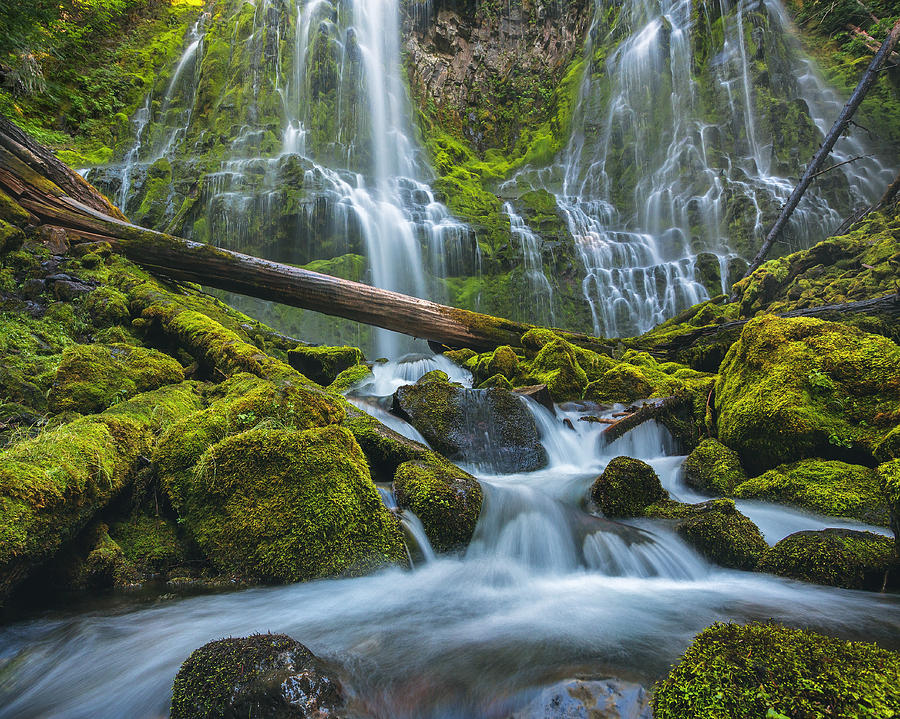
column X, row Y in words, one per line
column 713, row 468
column 491, row 426
column 834, row 488
column 265, row 676
column 106, row 564
column 51, row 486
column 623, row 383
column 795, row 388
column 107, row 306
column 348, row 378
column 718, row 531
column 90, row 378
column 627, row 487
column 556, row 365
column 837, row 557
column 323, row 364
column 446, row 499
column 149, row 543
column 889, row 476
column 282, row 505
column 761, row 670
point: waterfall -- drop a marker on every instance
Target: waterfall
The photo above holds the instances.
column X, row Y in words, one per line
column 680, row 145
column 533, row 266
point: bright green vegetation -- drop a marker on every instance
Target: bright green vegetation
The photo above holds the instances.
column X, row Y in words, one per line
column 767, row 670
column 446, row 500
column 837, row 557
column 796, row 388
column 348, row 378
column 833, row 488
column 150, row 544
column 626, row 488
column 90, row 378
column 714, row 468
column 889, row 476
column 323, row 364
column 281, row 505
column 264, row 676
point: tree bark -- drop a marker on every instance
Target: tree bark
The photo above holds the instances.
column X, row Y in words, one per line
column 824, row 151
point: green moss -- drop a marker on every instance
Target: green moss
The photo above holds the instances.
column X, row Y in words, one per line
column 265, row 676
column 556, row 365
column 12, row 212
column 794, row 388
column 771, row 671
column 90, row 378
column 722, row 534
column 149, row 543
column 889, row 476
column 323, row 364
column 712, row 467
column 384, row 448
column 497, row 380
column 349, row 377
column 626, row 488
column 281, row 505
column 446, row 499
column 833, row 488
column 106, row 564
column 837, row 557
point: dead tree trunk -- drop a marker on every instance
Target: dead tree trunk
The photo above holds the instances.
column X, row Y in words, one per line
column 824, row 151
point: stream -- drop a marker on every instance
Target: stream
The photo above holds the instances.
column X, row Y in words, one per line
column 545, row 591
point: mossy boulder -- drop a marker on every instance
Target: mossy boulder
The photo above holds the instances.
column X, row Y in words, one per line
column 106, row 564
column 556, row 365
column 834, row 488
column 713, row 468
column 503, row 361
column 626, row 488
column 348, row 378
column 149, row 543
column 767, row 670
column 445, row 498
column 889, row 476
column 836, row 557
column 281, row 505
column 107, row 306
column 798, row 387
column 90, row 378
column 623, row 383
column 323, row 364
column 264, row 676
column 717, row 530
column 491, row 427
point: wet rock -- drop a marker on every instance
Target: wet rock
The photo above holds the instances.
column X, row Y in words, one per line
column 627, row 487
column 490, row 427
column 540, row 394
column 32, row 289
column 264, row 676
column 719, row 532
column 837, row 557
column 66, row 288
column 323, row 364
column 589, row 699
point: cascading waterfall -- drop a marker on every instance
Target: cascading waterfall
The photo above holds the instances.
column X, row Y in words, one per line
column 539, row 286
column 667, row 160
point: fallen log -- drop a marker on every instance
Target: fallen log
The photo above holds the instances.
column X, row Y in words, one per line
column 90, row 217
column 815, row 165
column 650, row 409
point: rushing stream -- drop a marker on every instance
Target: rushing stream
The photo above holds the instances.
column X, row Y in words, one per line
column 545, row 591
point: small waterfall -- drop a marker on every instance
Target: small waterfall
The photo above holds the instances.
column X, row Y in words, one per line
column 540, row 290
column 419, row 547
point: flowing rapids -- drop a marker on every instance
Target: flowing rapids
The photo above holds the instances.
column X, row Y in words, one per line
column 545, row 591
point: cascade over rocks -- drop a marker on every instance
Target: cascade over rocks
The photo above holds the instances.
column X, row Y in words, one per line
column 264, row 676
column 490, row 427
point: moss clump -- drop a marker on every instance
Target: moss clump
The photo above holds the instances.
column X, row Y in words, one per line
column 107, row 306
column 889, row 476
column 281, row 505
column 446, row 499
column 714, row 468
column 623, row 383
column 106, row 564
column 348, row 378
column 497, row 380
column 828, row 487
column 384, row 448
column 836, row 557
column 323, row 364
column 722, row 534
column 489, row 426
column 626, row 487
column 150, row 544
column 556, row 365
column 265, row 676
column 761, row 670
column 795, row 388
column 90, row 378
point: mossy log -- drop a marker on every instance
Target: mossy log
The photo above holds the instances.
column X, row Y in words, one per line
column 24, row 174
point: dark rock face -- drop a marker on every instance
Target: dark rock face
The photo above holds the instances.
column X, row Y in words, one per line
column 490, row 427
column 626, row 487
column 586, row 699
column 265, row 676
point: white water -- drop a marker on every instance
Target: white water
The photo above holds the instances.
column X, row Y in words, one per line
column 545, row 591
column 647, row 180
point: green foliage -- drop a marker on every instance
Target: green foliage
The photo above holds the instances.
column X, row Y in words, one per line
column 757, row 670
